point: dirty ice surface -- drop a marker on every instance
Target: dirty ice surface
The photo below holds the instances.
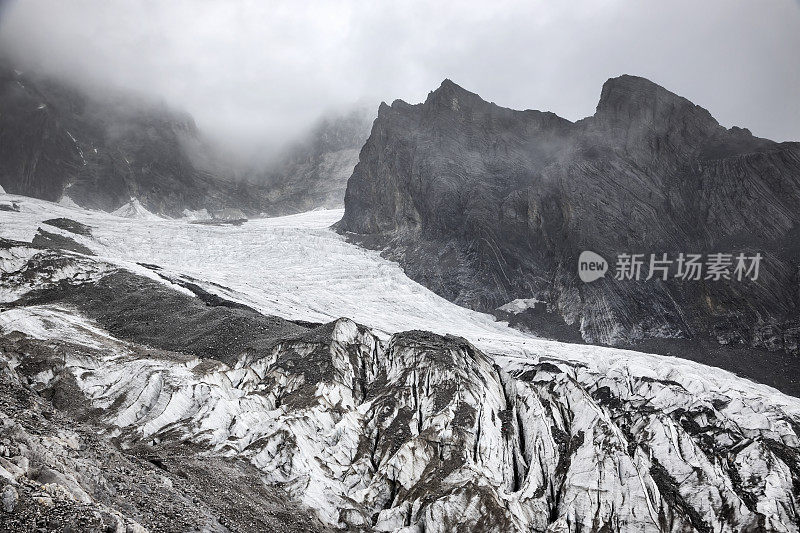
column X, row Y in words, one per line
column 298, row 268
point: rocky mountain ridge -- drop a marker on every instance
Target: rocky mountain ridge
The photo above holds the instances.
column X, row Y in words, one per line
column 101, row 151
column 312, row 173
column 486, row 205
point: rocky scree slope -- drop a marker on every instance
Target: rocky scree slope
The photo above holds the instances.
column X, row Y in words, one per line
column 485, row 205
column 422, row 432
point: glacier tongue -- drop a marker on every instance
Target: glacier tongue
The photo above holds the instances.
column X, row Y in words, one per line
column 297, row 268
column 389, row 430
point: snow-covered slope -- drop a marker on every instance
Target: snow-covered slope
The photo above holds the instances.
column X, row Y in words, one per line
column 134, row 209
column 373, row 425
column 297, row 268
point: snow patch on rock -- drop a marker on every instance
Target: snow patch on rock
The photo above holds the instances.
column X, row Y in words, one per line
column 134, row 209
column 519, row 305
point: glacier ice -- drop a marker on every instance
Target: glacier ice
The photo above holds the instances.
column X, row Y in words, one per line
column 375, row 422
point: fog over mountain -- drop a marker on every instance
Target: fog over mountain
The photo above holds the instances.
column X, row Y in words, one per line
column 311, row 266
column 254, row 75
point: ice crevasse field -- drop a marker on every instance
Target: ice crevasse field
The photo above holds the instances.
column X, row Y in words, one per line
column 296, row 267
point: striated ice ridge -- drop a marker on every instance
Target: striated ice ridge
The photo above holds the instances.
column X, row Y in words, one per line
column 395, row 430
column 425, row 433
column 24, row 269
column 297, row 268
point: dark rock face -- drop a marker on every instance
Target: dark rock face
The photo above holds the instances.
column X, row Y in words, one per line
column 313, row 172
column 101, row 152
column 485, row 204
column 56, row 140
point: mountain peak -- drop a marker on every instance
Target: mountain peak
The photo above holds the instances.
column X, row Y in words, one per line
column 448, row 84
column 630, row 91
column 631, row 83
column 629, row 99
column 452, row 95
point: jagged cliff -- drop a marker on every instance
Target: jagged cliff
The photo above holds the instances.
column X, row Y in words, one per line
column 313, row 172
column 103, row 150
column 485, row 205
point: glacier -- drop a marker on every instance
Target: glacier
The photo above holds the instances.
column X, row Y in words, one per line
column 390, row 408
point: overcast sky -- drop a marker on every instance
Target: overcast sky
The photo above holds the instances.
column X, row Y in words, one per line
column 253, row 72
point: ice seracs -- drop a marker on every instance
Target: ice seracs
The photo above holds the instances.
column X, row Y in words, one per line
column 425, row 432
column 385, row 425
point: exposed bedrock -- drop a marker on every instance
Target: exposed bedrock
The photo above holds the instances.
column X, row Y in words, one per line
column 118, row 152
column 485, row 205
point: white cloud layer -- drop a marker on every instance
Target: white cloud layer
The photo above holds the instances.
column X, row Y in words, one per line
column 255, row 73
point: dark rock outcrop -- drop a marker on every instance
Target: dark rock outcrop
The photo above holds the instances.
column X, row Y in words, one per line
column 56, row 139
column 73, row 226
column 485, row 204
column 313, row 171
column 45, row 239
column 59, row 140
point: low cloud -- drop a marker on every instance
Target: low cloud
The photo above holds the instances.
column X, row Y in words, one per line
column 256, row 74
